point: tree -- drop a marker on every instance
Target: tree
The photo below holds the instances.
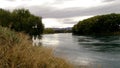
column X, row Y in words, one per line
column 102, row 24
column 21, row 20
column 5, row 18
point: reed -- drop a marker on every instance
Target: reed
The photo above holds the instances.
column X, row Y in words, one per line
column 17, row 52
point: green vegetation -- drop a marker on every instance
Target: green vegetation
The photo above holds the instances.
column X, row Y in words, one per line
column 57, row 30
column 48, row 31
column 21, row 20
column 17, row 52
column 103, row 24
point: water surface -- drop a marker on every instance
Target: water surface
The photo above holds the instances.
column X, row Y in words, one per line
column 93, row 51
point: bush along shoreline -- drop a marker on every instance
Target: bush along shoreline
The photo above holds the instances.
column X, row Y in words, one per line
column 21, row 20
column 108, row 24
column 17, row 52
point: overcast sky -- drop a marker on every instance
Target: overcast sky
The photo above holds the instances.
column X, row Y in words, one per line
column 64, row 13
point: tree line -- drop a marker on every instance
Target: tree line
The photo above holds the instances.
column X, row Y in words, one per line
column 21, row 20
column 101, row 24
column 57, row 30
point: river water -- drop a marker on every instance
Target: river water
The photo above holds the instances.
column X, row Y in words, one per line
column 91, row 51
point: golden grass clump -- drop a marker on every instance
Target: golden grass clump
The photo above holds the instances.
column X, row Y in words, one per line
column 16, row 51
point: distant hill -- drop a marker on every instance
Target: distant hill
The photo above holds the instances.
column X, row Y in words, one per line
column 58, row 30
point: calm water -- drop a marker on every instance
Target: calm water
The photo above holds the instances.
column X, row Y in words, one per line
column 92, row 51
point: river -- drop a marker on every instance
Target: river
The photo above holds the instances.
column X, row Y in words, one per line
column 92, row 51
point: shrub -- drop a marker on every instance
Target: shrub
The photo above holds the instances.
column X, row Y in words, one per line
column 102, row 24
column 17, row 52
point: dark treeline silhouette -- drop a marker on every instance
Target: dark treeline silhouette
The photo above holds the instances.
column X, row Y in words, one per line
column 101, row 24
column 57, row 30
column 21, row 20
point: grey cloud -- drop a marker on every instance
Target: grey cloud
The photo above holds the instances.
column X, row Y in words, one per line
column 51, row 12
column 15, row 0
column 61, row 1
column 46, row 12
column 10, row 0
column 69, row 21
column 108, row 0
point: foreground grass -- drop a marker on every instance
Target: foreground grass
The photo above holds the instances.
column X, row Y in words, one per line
column 17, row 52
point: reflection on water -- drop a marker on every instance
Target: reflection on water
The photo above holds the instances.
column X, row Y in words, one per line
column 52, row 41
column 36, row 40
column 96, row 51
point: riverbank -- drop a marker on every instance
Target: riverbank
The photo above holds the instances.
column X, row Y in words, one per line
column 17, row 52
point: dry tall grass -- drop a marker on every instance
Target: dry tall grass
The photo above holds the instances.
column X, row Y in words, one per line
column 16, row 51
